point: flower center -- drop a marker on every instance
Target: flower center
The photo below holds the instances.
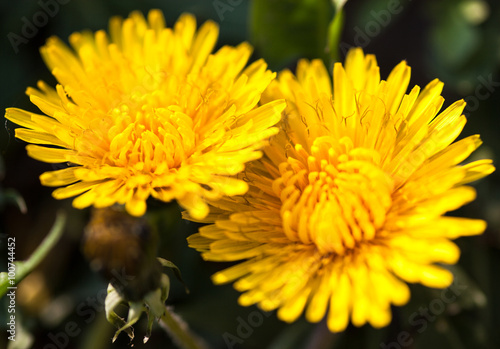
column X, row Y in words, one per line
column 157, row 140
column 154, row 128
column 336, row 197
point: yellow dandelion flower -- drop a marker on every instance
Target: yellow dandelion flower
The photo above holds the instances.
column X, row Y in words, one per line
column 148, row 111
column 347, row 205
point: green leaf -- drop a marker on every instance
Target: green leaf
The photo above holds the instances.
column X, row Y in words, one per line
column 286, row 30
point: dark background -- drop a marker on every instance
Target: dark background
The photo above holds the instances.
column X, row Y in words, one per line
column 443, row 39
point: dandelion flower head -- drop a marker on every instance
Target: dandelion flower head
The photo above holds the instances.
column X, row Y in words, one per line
column 347, row 205
column 148, row 111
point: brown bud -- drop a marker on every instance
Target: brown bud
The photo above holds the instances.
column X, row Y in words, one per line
column 123, row 249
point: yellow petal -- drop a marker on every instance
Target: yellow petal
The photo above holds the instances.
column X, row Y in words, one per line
column 60, row 177
column 50, row 155
column 73, row 190
column 340, row 303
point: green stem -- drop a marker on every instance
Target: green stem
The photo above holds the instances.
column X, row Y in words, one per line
column 334, row 35
column 179, row 331
column 43, row 249
column 23, row 268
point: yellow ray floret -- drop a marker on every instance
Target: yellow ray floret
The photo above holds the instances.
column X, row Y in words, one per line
column 347, row 204
column 148, row 111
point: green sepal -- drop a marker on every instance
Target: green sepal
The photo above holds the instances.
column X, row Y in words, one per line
column 175, row 269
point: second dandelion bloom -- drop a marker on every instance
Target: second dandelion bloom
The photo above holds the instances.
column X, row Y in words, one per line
column 348, row 204
column 148, row 111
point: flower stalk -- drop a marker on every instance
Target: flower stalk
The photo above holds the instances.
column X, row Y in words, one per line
column 179, row 331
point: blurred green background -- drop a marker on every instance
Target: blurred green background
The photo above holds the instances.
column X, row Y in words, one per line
column 457, row 41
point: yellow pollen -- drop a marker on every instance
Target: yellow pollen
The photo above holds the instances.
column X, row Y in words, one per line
column 334, row 200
